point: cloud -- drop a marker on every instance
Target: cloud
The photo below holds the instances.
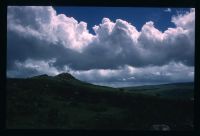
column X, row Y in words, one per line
column 185, row 21
column 129, row 75
column 168, row 10
column 31, row 67
column 38, row 37
column 44, row 24
column 123, row 76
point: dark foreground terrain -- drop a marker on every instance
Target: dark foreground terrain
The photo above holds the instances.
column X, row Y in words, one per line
column 66, row 103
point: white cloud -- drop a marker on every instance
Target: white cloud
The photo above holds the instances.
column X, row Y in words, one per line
column 122, row 42
column 40, row 66
column 168, row 10
column 44, row 24
column 128, row 75
column 114, row 41
column 51, row 43
column 123, row 76
column 185, row 21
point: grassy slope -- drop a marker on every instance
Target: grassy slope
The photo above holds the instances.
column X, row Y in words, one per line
column 52, row 102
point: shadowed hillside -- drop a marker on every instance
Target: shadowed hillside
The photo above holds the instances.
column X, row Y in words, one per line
column 64, row 102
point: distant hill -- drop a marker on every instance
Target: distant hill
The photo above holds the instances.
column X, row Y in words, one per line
column 65, row 102
column 173, row 90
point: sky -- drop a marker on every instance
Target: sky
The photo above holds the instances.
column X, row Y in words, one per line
column 112, row 46
column 137, row 16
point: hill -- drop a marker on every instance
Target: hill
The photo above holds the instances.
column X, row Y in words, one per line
column 65, row 102
column 170, row 91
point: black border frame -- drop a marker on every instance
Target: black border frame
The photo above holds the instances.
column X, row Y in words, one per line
column 108, row 3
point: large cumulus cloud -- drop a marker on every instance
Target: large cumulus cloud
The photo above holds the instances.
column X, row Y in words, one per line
column 43, row 23
column 38, row 36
